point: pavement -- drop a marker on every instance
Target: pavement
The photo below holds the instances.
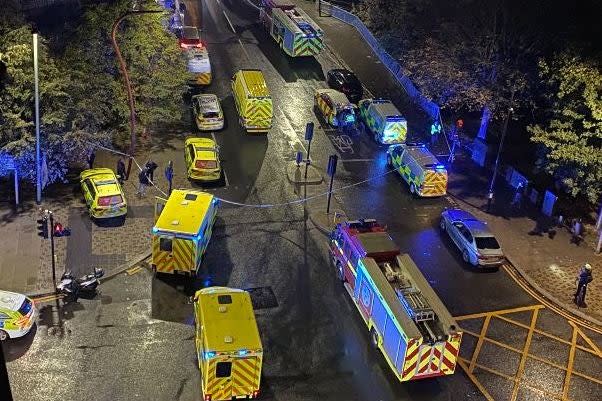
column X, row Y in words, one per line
column 542, row 252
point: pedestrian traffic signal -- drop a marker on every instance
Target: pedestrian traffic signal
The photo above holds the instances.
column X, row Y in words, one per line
column 43, row 227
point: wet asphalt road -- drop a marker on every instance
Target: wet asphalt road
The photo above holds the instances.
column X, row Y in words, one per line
column 135, row 340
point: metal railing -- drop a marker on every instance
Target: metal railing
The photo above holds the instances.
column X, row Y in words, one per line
column 430, row 108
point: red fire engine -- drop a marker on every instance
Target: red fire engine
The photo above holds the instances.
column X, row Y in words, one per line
column 407, row 321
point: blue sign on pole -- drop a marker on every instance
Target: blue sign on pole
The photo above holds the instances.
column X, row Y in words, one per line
column 309, row 131
column 332, row 165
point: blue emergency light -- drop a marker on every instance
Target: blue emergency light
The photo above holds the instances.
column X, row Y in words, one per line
column 209, row 354
column 243, row 352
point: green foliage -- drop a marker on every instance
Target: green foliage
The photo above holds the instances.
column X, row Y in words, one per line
column 82, row 96
column 572, row 134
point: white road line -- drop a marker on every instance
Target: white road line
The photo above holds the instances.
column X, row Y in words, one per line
column 290, row 132
column 237, row 38
column 223, row 169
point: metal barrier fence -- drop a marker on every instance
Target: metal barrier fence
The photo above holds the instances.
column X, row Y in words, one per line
column 431, row 108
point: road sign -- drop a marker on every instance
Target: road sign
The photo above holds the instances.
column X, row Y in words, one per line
column 309, row 131
column 332, row 165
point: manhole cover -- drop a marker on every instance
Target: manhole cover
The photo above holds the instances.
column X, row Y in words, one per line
column 262, row 297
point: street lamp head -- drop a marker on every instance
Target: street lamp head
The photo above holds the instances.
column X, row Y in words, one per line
column 511, row 110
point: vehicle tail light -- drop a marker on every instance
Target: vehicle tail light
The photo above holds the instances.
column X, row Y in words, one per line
column 255, row 394
column 207, row 397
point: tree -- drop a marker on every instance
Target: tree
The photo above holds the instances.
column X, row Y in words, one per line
column 17, row 135
column 571, row 136
column 155, row 64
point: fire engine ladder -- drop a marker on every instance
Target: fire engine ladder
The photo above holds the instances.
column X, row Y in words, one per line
column 414, row 303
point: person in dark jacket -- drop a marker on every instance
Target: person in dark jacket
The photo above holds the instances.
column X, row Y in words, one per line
column 121, row 170
column 91, row 157
column 151, row 166
column 585, row 277
column 142, row 182
column 169, row 174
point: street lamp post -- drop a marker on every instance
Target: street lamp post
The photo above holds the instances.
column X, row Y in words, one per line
column 126, row 77
column 37, row 118
column 499, row 152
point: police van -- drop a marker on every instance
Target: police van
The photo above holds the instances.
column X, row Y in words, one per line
column 382, row 119
column 425, row 175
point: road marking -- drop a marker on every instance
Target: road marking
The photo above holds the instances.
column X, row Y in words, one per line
column 48, row 298
column 342, row 142
column 462, row 362
column 290, row 132
column 133, row 270
column 567, row 377
column 469, row 366
column 477, row 350
column 356, row 160
column 226, row 182
column 236, row 33
column 526, row 286
column 523, row 357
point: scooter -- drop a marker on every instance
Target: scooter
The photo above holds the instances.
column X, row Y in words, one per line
column 72, row 287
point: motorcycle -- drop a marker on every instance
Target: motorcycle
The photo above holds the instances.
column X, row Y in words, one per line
column 72, row 287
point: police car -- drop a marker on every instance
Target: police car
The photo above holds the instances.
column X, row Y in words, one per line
column 202, row 159
column 334, row 107
column 102, row 193
column 17, row 315
column 208, row 112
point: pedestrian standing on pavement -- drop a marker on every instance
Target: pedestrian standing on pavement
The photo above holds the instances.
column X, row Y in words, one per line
column 576, row 231
column 151, row 166
column 121, row 170
column 91, row 157
column 518, row 195
column 585, row 277
column 169, row 175
column 142, row 182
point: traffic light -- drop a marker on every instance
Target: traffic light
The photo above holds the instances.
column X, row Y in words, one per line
column 43, row 227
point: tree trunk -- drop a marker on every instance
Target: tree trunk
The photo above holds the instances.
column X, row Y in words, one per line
column 485, row 118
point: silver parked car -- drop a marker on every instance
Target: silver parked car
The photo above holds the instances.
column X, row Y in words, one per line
column 472, row 236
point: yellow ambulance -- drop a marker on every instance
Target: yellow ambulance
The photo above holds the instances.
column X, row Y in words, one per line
column 228, row 345
column 183, row 227
column 253, row 100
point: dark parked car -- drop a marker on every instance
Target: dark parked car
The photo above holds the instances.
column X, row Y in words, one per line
column 345, row 81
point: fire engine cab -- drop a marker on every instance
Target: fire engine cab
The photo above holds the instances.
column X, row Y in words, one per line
column 407, row 321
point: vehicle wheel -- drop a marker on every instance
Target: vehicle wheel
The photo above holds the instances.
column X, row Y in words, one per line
column 374, row 338
column 389, row 160
column 3, row 335
column 340, row 272
column 465, row 256
column 442, row 225
column 413, row 189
